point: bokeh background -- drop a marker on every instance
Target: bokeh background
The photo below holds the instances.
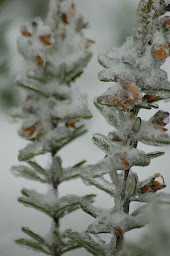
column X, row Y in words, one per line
column 111, row 21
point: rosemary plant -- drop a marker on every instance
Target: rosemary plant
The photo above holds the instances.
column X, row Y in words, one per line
column 138, row 83
column 52, row 112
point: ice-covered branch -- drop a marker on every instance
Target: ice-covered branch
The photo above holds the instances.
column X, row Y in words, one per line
column 138, row 82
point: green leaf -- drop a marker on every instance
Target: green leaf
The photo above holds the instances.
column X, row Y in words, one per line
column 76, row 134
column 114, row 178
column 103, row 143
column 137, row 124
column 90, row 209
column 33, row 245
column 162, row 198
column 56, row 171
column 103, row 61
column 69, row 244
column 31, row 150
column 79, row 164
column 34, row 205
column 33, row 235
column 157, row 142
column 26, row 172
column 109, row 114
column 37, row 167
column 72, row 203
column 31, row 88
column 99, row 182
column 69, row 248
column 85, row 240
column 77, row 66
column 70, row 173
column 156, row 154
column 33, row 199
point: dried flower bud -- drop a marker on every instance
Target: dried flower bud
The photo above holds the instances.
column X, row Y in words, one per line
column 160, row 118
column 161, row 51
column 69, row 14
column 39, row 60
column 24, row 31
column 164, row 129
column 132, row 117
column 150, row 97
column 71, row 124
column 125, row 162
column 167, row 24
column 134, row 91
column 64, row 18
column 114, row 137
column 30, row 130
column 153, row 186
column 45, row 39
column 118, row 232
column 120, row 99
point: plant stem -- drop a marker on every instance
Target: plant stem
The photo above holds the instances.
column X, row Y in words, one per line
column 55, row 247
column 125, row 205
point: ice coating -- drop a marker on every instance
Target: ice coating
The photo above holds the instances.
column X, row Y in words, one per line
column 137, row 82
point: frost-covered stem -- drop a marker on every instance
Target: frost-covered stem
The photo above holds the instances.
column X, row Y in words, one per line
column 125, row 206
column 119, row 244
column 123, row 194
column 55, row 249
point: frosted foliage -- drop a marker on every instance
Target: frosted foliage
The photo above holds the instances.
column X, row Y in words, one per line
column 138, row 82
column 50, row 203
column 108, row 220
column 55, row 53
column 58, row 46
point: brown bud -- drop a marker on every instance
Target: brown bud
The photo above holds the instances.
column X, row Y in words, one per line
column 39, row 60
column 164, row 129
column 45, row 39
column 70, row 13
column 161, row 52
column 167, row 24
column 64, row 18
column 114, row 137
column 132, row 117
column 150, row 97
column 153, row 185
column 118, row 232
column 134, row 91
column 160, row 119
column 71, row 124
column 24, row 31
column 30, row 130
column 125, row 162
